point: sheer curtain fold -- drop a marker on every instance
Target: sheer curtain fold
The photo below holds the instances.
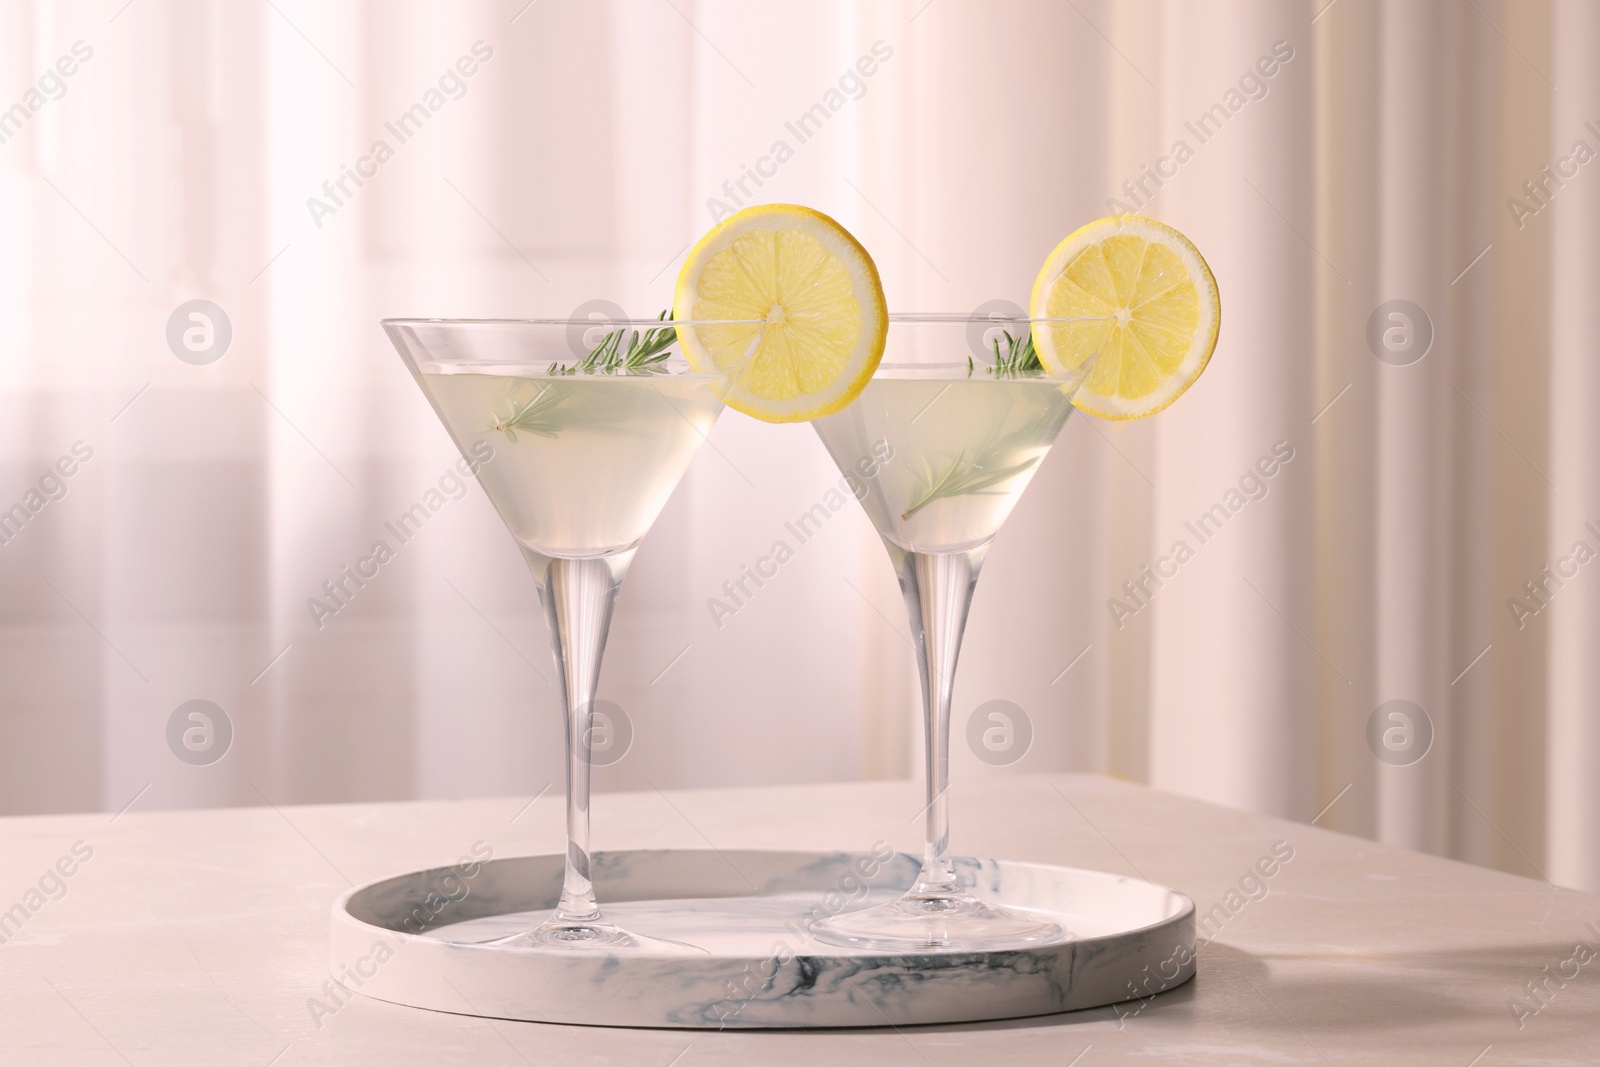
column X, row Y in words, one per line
column 1572, row 795
column 1228, row 667
column 1412, row 419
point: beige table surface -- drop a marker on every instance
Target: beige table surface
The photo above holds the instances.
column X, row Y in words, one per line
column 202, row 937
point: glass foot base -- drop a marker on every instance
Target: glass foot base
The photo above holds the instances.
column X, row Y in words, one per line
column 927, row 923
column 596, row 936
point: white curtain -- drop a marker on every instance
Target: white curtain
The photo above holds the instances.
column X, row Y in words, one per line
column 1330, row 159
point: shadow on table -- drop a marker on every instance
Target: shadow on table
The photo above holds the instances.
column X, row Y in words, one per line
column 1334, row 992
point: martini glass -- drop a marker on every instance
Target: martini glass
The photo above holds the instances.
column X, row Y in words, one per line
column 938, row 452
column 578, row 433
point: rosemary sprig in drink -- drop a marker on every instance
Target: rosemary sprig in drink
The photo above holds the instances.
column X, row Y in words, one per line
column 987, row 468
column 562, row 405
column 556, row 406
column 643, row 353
column 538, row 416
column 1018, row 359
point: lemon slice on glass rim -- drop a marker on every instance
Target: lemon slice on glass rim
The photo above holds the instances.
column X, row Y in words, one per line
column 1150, row 309
column 800, row 318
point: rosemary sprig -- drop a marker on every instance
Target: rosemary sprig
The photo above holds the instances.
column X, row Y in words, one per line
column 961, row 478
column 643, row 353
column 555, row 407
column 1018, row 358
column 540, row 416
column 560, row 406
column 979, row 470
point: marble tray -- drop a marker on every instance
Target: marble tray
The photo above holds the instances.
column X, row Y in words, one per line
column 415, row 939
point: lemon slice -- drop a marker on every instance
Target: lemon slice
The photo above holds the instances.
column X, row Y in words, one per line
column 1155, row 308
column 814, row 318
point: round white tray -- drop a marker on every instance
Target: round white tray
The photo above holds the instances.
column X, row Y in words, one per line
column 415, row 939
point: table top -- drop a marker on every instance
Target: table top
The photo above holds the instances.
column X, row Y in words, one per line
column 202, row 936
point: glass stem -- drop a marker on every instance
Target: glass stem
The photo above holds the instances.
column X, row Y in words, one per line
column 938, row 589
column 578, row 597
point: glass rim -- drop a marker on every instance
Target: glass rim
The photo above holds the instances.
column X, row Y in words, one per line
column 566, row 323
column 908, row 318
column 960, row 369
